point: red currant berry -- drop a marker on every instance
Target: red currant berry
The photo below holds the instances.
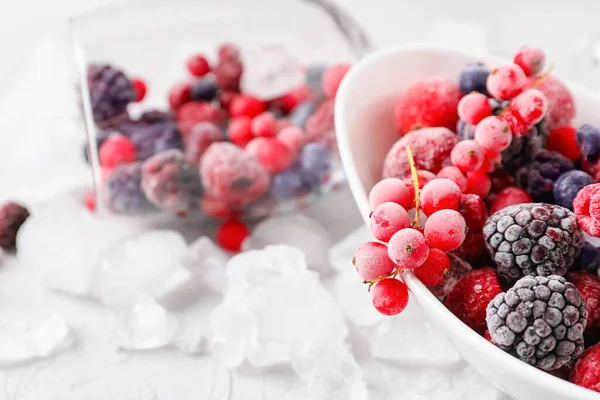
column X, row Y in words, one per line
column 445, row 230
column 563, row 140
column 140, row 89
column 390, row 296
column 116, row 150
column 180, row 94
column 474, row 107
column 333, row 77
column 245, row 105
column 506, row 82
column 372, row 262
column 90, row 200
column 254, row 145
column 531, row 60
column 516, row 125
column 493, row 134
column 294, row 97
column 490, row 161
column 273, row 155
column 455, row 175
column 198, row 65
column 391, row 190
column 440, row 194
column 434, row 269
column 530, row 106
column 408, row 248
column 478, row 183
column 231, row 235
column 387, row 219
column 293, row 137
column 510, row 196
column 264, row 125
column 240, row 131
column 467, row 156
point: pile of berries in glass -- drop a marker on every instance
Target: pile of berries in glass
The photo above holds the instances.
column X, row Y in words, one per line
column 488, row 197
column 216, row 150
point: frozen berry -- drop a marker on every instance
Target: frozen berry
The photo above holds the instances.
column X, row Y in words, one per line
column 531, row 60
column 198, row 65
column 228, row 71
column 473, row 78
column 478, row 183
column 116, row 150
column 458, row 268
column 470, row 296
column 123, row 191
column 12, row 216
column 315, row 157
column 320, row 126
column 179, row 94
column 561, row 105
column 475, row 213
column 538, row 177
column 387, row 219
column 510, row 196
column 408, row 248
column 372, row 262
column 426, row 103
column 226, row 97
column 588, row 139
column 563, row 140
column 291, row 99
column 195, row 112
column 586, row 372
column 467, row 156
column 333, row 77
column 246, row 105
column 390, row 296
column 568, row 185
column 204, row 90
column 199, row 139
column 239, row 131
column 293, row 137
column 587, row 209
column 300, row 114
column 440, row 194
column 152, row 138
column 110, row 92
column 506, row 82
column 254, row 145
column 445, row 230
column 140, row 88
column 455, row 175
column 390, row 190
column 517, row 126
column 433, row 271
column 215, row 208
column 474, row 107
column 530, row 106
column 273, row 155
column 589, row 287
column 264, row 125
column 493, row 134
column 89, row 200
column 231, row 235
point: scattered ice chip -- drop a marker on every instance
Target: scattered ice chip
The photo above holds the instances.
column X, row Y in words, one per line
column 270, row 72
column 207, row 262
column 193, row 336
column 22, row 340
column 354, row 298
column 151, row 263
column 293, row 230
column 144, row 325
column 341, row 253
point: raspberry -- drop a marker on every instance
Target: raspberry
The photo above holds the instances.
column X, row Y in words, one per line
column 273, row 155
column 140, row 89
column 390, row 296
column 390, row 190
column 440, row 194
column 455, row 175
column 586, row 372
column 470, row 296
column 445, row 230
column 568, row 185
column 539, row 176
column 240, row 131
column 198, row 65
column 478, row 183
column 561, row 105
column 510, row 196
column 372, row 261
column 473, row 78
column 231, row 235
column 431, row 148
column 530, row 106
column 563, row 140
column 245, row 105
column 320, row 125
column 467, row 156
column 116, row 150
column 531, row 60
column 434, row 269
column 587, row 208
column 179, row 94
column 387, row 219
column 589, row 287
column 12, row 216
column 110, row 92
column 204, row 90
column 493, row 134
column 427, row 103
column 264, row 125
column 506, row 82
column 229, row 69
column 192, row 113
column 408, row 248
column 588, row 141
column 199, row 139
column 293, row 137
column 333, row 77
column 473, row 108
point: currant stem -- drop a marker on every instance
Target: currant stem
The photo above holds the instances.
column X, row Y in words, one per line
column 543, row 77
column 415, row 181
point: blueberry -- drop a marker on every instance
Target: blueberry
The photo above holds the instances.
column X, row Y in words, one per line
column 315, row 158
column 589, row 258
column 314, row 77
column 473, row 78
column 588, row 139
column 568, row 185
column 286, row 184
column 205, row 90
column 301, row 113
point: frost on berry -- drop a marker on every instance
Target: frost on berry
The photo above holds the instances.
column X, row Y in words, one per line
column 408, row 248
column 561, row 105
column 387, row 219
column 455, row 175
column 390, row 190
column 493, row 134
column 506, row 82
column 372, row 261
column 467, row 155
column 320, row 125
column 586, row 372
column 123, row 192
column 445, row 230
column 531, row 60
column 475, row 213
column 510, row 196
column 587, row 209
column 199, row 139
column 440, row 194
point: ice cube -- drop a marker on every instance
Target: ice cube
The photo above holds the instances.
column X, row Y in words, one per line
column 193, row 336
column 207, row 262
column 354, row 298
column 151, row 263
column 25, row 339
column 293, row 230
column 270, row 72
column 144, row 325
column 341, row 253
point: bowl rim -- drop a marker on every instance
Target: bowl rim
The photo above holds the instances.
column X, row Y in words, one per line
column 425, row 298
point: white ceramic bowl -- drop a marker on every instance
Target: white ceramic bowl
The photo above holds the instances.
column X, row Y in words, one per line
column 365, row 132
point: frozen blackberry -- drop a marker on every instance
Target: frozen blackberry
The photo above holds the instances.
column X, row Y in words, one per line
column 123, row 191
column 538, row 177
column 540, row 320
column 12, row 216
column 110, row 91
column 153, row 138
column 533, row 239
column 154, row 116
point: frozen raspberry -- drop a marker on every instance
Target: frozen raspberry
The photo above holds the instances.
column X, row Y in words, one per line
column 473, row 78
column 228, row 71
column 455, row 175
column 561, row 105
column 229, row 173
column 427, row 103
column 333, row 77
column 293, row 137
column 433, row 271
column 458, row 268
column 204, row 90
column 320, row 126
column 116, row 150
column 586, row 372
column 123, row 190
column 478, row 183
column 539, row 176
column 470, row 296
column 231, row 235
column 467, row 155
column 216, row 208
column 587, row 209
column 568, row 185
column 196, row 112
column 246, row 105
column 170, row 183
column 493, row 134
column 390, row 296
column 140, row 88
column 264, row 125
column 445, row 230
column 197, row 141
column 531, row 60
column 588, row 141
column 408, row 248
column 589, row 287
column 12, row 216
column 387, row 219
column 110, row 91
column 474, row 107
column 150, row 139
column 273, row 155
column 506, row 82
column 198, row 65
column 563, row 140
column 372, row 261
column 179, row 94
column 440, row 194
column 508, row 197
column 390, row 190
column 431, row 148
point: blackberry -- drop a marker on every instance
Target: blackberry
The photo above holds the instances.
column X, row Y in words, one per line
column 154, row 116
column 110, row 91
column 533, row 239
column 538, row 177
column 12, row 216
column 540, row 320
column 153, row 138
column 123, row 191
